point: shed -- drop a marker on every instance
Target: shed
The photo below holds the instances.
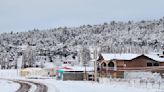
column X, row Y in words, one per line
column 73, row 73
column 32, row 72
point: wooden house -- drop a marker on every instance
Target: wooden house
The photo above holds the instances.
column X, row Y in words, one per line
column 114, row 65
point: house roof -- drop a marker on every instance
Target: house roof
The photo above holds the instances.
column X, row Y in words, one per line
column 76, row 68
column 125, row 56
column 129, row 56
column 31, row 69
column 155, row 57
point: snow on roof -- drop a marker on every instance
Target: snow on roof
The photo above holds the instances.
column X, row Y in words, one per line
column 31, row 69
column 128, row 56
column 125, row 56
column 155, row 57
column 77, row 68
column 83, row 68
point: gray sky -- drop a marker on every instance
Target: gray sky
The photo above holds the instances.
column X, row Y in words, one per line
column 23, row 15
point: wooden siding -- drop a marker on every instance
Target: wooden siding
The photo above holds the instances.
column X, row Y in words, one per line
column 120, row 63
column 161, row 64
column 137, row 62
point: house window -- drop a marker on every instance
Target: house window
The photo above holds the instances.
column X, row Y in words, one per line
column 65, row 62
column 103, row 65
column 156, row 64
column 149, row 64
column 111, row 64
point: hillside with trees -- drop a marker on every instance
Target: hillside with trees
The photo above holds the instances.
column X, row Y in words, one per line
column 115, row 37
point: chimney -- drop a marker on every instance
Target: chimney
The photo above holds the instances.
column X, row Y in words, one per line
column 158, row 54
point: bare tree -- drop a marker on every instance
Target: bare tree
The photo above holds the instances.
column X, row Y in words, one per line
column 85, row 58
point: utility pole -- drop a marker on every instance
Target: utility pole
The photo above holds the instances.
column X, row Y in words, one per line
column 85, row 72
column 95, row 70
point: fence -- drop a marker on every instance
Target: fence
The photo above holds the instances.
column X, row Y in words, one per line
column 140, row 83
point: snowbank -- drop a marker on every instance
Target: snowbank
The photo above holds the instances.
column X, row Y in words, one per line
column 142, row 75
column 8, row 86
column 85, row 86
column 9, row 73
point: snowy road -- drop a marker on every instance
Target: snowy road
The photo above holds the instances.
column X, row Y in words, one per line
column 53, row 85
column 26, row 86
column 40, row 86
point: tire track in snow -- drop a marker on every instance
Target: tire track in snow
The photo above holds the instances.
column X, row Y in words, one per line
column 24, row 87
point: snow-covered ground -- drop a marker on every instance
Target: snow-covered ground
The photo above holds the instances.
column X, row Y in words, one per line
column 9, row 73
column 89, row 86
column 8, row 86
column 86, row 86
column 80, row 86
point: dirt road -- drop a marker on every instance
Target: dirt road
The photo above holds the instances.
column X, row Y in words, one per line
column 25, row 86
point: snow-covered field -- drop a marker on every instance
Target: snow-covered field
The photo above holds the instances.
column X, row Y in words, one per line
column 79, row 86
column 86, row 86
column 83, row 86
column 8, row 86
column 9, row 73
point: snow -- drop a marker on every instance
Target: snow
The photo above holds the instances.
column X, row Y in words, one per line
column 76, row 68
column 129, row 56
column 8, row 86
column 86, row 86
column 10, row 73
column 48, row 65
column 155, row 57
column 32, row 69
column 81, row 86
column 23, row 47
column 125, row 56
column 33, row 87
column 142, row 75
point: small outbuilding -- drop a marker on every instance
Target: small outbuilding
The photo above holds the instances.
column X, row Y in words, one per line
column 74, row 73
column 26, row 72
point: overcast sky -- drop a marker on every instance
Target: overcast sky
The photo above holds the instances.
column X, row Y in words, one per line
column 23, row 15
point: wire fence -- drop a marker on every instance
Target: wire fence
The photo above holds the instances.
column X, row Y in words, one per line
column 139, row 83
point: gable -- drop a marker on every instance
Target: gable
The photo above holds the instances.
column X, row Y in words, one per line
column 129, row 57
column 126, row 56
column 145, row 58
